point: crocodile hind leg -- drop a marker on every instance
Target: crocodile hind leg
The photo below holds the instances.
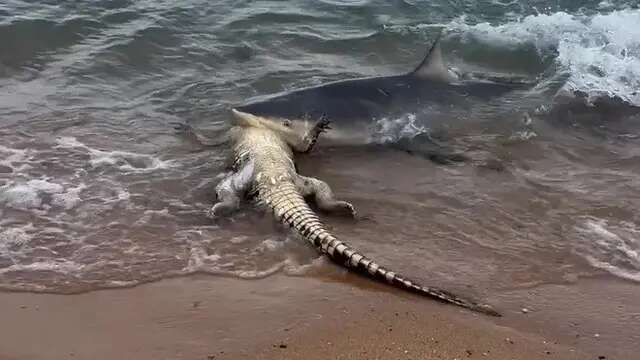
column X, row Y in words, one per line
column 324, row 197
column 231, row 190
column 228, row 199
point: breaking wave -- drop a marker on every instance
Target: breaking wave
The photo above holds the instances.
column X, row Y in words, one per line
column 611, row 246
column 599, row 53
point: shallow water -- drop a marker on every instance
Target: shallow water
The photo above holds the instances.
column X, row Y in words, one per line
column 96, row 190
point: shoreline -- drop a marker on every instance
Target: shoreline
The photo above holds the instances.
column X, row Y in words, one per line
column 206, row 317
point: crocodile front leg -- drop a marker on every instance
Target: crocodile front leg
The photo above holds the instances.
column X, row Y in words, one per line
column 311, row 137
column 324, row 197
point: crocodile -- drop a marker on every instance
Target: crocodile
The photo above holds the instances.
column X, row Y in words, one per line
column 263, row 169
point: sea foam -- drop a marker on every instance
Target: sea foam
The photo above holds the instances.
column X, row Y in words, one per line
column 600, row 53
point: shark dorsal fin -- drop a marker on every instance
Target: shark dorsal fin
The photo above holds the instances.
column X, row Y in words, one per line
column 433, row 67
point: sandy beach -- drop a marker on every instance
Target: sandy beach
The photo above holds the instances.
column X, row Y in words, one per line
column 283, row 317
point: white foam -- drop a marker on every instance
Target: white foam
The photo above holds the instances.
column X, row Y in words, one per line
column 54, row 265
column 121, row 283
column 45, row 186
column 199, row 260
column 604, row 5
column 614, row 270
column 202, row 260
column 20, row 197
column 601, row 53
column 15, row 236
column 269, row 245
column 69, row 198
column 122, row 160
column 69, row 142
column 29, row 195
column 149, row 214
column 238, row 239
column 393, row 129
column 523, row 135
column 259, row 274
column 294, row 269
column 14, row 159
column 127, row 161
column 614, row 247
column 123, row 194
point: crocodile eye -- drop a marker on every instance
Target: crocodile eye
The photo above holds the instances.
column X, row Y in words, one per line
column 287, row 123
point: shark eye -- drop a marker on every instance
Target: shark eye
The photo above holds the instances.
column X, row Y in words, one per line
column 286, row 123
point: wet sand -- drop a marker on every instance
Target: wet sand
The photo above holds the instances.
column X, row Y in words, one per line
column 340, row 316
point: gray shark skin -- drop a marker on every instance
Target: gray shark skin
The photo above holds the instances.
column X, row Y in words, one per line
column 351, row 105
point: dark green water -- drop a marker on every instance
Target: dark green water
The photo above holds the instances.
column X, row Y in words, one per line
column 96, row 190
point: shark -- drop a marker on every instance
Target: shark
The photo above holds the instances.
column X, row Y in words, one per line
column 355, row 105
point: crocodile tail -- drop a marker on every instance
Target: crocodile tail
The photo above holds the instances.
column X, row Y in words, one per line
column 290, row 208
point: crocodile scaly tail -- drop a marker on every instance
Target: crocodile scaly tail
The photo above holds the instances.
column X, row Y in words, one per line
column 290, row 208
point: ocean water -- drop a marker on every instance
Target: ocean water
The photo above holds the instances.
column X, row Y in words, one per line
column 96, row 190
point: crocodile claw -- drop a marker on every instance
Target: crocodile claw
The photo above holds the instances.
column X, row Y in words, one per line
column 323, row 124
